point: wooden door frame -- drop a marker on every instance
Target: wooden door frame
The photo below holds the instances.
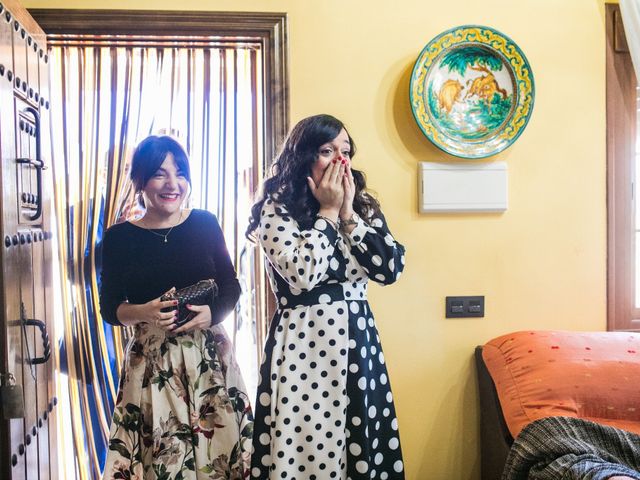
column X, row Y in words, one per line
column 621, row 84
column 268, row 29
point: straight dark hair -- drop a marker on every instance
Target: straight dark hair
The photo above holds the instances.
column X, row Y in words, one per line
column 287, row 181
column 149, row 156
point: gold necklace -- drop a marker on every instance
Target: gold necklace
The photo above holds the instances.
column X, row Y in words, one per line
column 164, row 235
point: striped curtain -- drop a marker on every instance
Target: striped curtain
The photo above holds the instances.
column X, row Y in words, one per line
column 113, row 93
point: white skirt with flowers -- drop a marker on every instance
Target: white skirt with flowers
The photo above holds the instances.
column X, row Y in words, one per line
column 182, row 410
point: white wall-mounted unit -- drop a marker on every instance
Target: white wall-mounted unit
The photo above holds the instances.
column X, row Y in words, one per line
column 463, row 187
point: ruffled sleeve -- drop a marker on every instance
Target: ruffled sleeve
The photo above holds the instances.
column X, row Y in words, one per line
column 379, row 254
column 300, row 256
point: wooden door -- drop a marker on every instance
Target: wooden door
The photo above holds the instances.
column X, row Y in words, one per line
column 27, row 438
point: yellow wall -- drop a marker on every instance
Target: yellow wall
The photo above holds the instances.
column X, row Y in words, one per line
column 540, row 265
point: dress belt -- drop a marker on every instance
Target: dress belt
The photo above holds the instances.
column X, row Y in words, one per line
column 322, row 294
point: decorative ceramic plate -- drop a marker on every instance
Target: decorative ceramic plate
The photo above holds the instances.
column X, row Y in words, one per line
column 472, row 91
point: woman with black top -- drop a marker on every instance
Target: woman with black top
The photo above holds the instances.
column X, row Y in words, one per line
column 182, row 409
column 324, row 407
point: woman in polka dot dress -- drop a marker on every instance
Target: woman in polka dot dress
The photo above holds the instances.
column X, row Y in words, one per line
column 324, row 407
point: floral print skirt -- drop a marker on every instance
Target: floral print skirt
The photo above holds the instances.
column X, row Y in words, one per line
column 182, row 410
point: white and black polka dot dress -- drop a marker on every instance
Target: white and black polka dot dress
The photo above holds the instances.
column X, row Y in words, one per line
column 324, row 407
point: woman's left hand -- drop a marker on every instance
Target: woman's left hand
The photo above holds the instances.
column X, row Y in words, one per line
column 349, row 186
column 201, row 321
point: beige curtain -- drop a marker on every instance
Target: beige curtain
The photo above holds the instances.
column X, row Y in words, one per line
column 630, row 11
column 113, row 93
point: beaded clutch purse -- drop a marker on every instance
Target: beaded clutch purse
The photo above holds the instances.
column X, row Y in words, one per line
column 200, row 293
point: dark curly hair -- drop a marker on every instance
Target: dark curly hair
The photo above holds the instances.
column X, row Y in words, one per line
column 287, row 182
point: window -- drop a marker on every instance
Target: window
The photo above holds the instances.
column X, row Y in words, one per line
column 623, row 155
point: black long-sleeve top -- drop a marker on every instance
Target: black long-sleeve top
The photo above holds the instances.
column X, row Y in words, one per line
column 138, row 266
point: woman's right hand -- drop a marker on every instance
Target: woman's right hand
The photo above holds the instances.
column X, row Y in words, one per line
column 150, row 312
column 154, row 315
column 330, row 191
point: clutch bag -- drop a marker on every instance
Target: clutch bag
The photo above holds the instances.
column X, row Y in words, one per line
column 200, row 293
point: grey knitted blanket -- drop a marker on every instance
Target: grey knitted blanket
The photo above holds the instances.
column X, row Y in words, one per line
column 566, row 448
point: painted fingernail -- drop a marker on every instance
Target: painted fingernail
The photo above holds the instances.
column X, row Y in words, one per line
column 175, row 302
column 334, row 160
column 343, row 162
